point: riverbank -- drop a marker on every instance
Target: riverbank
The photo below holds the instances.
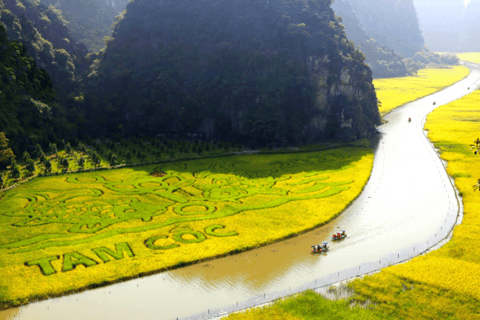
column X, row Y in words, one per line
column 440, row 284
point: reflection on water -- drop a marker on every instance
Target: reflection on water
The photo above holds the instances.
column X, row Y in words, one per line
column 405, row 202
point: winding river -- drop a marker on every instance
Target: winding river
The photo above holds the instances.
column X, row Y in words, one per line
column 409, row 202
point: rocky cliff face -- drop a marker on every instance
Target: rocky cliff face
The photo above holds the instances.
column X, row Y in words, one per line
column 268, row 70
column 392, row 23
column 90, row 21
column 383, row 61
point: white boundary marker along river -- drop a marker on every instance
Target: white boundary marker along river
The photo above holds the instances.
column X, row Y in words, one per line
column 408, row 206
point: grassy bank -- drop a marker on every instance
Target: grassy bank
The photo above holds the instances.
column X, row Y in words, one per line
column 394, row 92
column 65, row 233
column 443, row 284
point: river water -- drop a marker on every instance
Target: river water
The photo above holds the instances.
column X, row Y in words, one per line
column 409, row 202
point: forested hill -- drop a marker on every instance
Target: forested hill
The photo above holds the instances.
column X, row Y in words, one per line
column 277, row 70
column 392, row 23
column 26, row 93
column 383, row 61
column 46, row 59
column 46, row 38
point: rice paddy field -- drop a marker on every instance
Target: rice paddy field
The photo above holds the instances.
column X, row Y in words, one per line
column 395, row 92
column 443, row 284
column 470, row 56
column 81, row 230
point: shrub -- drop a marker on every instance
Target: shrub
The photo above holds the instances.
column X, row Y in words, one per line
column 30, row 166
column 15, row 171
column 48, row 165
column 81, row 162
column 53, row 148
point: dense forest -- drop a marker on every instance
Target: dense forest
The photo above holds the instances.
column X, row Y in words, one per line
column 26, row 94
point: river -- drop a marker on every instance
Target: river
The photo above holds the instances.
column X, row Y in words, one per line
column 409, row 202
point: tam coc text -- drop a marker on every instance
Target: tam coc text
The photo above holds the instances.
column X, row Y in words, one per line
column 104, row 254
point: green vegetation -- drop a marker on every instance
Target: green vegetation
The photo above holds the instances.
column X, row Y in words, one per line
column 309, row 306
column 52, row 227
column 244, row 76
column 393, row 93
column 26, row 96
column 44, row 33
column 427, row 59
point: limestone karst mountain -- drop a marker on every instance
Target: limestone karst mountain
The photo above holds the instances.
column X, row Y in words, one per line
column 383, row 61
column 264, row 71
column 392, row 23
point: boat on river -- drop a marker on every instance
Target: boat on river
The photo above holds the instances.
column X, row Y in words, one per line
column 339, row 235
column 319, row 248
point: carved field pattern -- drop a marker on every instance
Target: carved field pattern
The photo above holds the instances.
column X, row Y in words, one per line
column 162, row 216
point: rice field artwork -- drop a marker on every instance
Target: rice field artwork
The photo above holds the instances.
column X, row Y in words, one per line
column 71, row 232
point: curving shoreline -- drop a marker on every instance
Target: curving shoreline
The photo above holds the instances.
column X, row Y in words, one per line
column 293, row 263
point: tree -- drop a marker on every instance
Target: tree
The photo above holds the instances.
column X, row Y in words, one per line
column 30, row 166
column 13, row 163
column 15, row 171
column 38, row 151
column 6, row 154
column 62, row 144
column 68, row 148
column 65, row 164
column 81, row 162
column 53, row 148
column 3, row 141
column 26, row 157
column 82, row 147
column 96, row 159
column 113, row 159
column 48, row 166
column 1, row 180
